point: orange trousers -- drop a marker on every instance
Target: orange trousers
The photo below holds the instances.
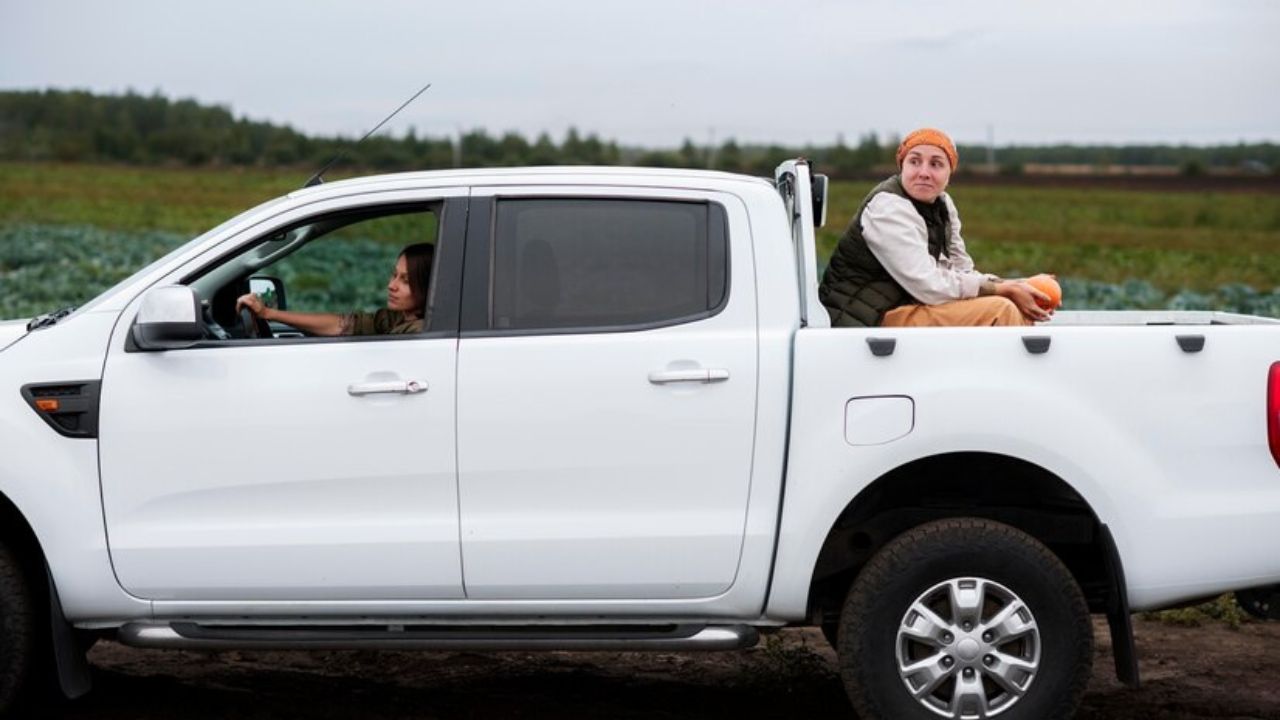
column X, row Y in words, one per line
column 989, row 310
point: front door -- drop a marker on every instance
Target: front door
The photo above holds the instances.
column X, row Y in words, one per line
column 281, row 468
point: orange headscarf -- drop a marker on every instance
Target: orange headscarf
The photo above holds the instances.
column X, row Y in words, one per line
column 929, row 136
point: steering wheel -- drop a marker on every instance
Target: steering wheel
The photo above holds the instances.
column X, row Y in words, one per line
column 212, row 330
column 254, row 326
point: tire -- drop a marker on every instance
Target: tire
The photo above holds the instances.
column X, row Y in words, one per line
column 1027, row 651
column 17, row 630
column 831, row 631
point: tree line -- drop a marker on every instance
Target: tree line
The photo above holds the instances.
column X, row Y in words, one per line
column 79, row 126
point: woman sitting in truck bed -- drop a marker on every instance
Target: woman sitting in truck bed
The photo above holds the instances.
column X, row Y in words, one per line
column 406, row 302
column 902, row 262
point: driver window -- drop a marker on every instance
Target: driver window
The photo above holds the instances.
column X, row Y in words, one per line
column 348, row 268
column 366, row 273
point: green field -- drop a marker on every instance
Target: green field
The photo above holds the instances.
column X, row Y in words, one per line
column 69, row 231
column 1172, row 240
column 135, row 199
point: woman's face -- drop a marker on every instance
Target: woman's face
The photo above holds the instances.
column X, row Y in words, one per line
column 399, row 294
column 925, row 172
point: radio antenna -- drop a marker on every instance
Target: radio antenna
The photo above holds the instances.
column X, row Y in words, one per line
column 319, row 176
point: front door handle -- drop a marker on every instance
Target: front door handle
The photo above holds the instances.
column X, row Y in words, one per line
column 694, row 375
column 394, row 387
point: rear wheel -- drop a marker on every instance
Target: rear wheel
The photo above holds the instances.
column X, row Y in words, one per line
column 17, row 629
column 965, row 618
column 831, row 631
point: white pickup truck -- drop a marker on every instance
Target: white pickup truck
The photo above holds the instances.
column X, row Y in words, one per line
column 626, row 424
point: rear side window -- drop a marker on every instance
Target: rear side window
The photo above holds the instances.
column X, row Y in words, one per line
column 606, row 264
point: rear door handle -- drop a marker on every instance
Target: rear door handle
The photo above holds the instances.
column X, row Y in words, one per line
column 695, row 375
column 394, row 387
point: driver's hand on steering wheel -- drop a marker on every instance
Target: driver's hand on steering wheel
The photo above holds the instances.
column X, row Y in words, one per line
column 253, row 303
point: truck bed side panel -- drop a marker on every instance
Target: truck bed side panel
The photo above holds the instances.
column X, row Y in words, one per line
column 1167, row 447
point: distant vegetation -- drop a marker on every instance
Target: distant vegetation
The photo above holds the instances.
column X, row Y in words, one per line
column 136, row 129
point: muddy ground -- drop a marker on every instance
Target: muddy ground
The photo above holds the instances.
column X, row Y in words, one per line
column 1188, row 672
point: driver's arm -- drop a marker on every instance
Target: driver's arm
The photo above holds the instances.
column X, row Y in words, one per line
column 326, row 324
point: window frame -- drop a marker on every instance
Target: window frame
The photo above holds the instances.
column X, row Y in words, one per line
column 481, row 249
column 446, row 271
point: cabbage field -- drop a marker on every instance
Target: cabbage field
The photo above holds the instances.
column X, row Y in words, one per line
column 68, row 232
column 45, row 267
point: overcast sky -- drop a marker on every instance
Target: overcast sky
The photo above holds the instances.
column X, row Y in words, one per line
column 654, row 72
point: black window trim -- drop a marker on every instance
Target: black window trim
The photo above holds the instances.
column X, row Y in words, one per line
column 477, row 284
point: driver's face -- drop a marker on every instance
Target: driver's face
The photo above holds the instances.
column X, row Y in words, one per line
column 399, row 294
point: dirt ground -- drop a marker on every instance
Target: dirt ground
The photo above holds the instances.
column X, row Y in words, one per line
column 1187, row 672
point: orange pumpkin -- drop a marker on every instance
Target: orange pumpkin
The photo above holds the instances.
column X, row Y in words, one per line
column 1049, row 286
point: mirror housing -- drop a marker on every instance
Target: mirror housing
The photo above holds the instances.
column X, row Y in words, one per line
column 818, row 185
column 169, row 319
column 270, row 289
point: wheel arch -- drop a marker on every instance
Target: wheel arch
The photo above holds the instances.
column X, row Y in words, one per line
column 988, row 485
column 999, row 487
column 17, row 533
column 62, row 652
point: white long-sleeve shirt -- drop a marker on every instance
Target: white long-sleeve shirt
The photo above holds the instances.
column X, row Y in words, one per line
column 897, row 236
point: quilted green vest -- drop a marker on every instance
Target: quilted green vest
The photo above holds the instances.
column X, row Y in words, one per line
column 856, row 289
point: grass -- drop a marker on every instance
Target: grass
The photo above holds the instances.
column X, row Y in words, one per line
column 134, row 199
column 1173, row 240
column 1222, row 609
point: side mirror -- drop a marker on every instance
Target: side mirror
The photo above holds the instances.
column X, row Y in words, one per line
column 270, row 289
column 818, row 190
column 169, row 319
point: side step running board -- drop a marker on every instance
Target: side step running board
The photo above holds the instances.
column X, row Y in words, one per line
column 198, row 636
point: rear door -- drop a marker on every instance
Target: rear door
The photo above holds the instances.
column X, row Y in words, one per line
column 606, row 393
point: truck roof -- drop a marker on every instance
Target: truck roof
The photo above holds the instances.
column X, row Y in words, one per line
column 544, row 174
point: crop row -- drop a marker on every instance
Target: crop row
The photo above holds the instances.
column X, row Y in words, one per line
column 43, row 267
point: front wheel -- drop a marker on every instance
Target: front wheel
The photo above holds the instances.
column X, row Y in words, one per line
column 965, row 618
column 17, row 629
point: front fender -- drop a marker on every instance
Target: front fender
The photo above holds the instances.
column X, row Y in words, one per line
column 52, row 480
